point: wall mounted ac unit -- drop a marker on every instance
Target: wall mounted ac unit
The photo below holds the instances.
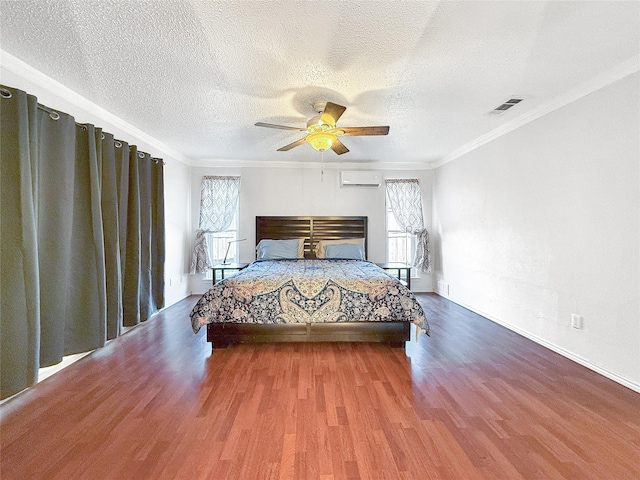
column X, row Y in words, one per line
column 360, row 178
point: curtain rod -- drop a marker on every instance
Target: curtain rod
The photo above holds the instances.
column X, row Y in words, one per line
column 5, row 93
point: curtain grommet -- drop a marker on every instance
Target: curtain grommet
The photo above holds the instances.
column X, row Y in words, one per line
column 5, row 93
column 56, row 116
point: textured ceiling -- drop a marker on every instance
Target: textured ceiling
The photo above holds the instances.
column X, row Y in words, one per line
column 197, row 75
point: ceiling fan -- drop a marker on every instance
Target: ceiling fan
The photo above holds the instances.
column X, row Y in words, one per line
column 322, row 132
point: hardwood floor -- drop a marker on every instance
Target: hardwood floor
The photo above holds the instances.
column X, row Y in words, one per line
column 473, row 401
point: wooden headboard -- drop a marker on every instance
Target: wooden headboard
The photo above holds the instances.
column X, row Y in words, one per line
column 312, row 229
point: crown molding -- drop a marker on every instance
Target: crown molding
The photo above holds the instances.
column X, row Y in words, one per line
column 211, row 163
column 612, row 75
column 56, row 89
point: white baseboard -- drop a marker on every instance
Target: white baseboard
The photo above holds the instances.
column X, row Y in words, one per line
column 551, row 346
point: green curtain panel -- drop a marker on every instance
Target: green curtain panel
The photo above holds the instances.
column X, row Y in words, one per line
column 20, row 282
column 131, row 264
column 110, row 222
column 82, row 238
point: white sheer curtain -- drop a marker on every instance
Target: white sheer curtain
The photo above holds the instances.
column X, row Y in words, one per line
column 218, row 203
column 405, row 201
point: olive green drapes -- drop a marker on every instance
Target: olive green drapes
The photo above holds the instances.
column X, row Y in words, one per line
column 81, row 237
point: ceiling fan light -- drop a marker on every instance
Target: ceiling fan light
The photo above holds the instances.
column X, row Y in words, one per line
column 317, row 125
column 327, row 120
column 321, row 141
column 313, row 121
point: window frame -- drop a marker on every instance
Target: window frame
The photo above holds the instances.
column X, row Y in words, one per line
column 392, row 234
column 232, row 234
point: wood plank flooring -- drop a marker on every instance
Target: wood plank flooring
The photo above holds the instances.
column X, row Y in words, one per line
column 473, row 401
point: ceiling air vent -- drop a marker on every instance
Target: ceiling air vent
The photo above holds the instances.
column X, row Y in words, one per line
column 506, row 105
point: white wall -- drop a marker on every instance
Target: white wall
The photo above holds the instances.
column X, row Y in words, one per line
column 176, row 173
column 544, row 222
column 177, row 182
column 305, row 191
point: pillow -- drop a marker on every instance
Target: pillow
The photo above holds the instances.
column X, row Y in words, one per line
column 344, row 250
column 274, row 249
column 323, row 243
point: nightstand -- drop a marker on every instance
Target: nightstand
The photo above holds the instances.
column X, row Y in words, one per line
column 220, row 269
column 403, row 271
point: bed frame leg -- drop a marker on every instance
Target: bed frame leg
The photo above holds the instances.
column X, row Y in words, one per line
column 219, row 344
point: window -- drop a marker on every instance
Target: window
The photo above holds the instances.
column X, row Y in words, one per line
column 400, row 244
column 218, row 225
column 405, row 224
column 218, row 242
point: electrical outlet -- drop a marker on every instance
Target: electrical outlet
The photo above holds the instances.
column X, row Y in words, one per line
column 576, row 321
column 443, row 287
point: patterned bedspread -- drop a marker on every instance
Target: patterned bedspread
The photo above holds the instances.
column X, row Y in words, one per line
column 308, row 291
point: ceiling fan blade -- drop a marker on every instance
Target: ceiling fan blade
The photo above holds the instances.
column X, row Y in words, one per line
column 281, row 127
column 334, row 111
column 292, row 145
column 361, row 131
column 338, row 147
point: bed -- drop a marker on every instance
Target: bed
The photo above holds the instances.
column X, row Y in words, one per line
column 309, row 299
